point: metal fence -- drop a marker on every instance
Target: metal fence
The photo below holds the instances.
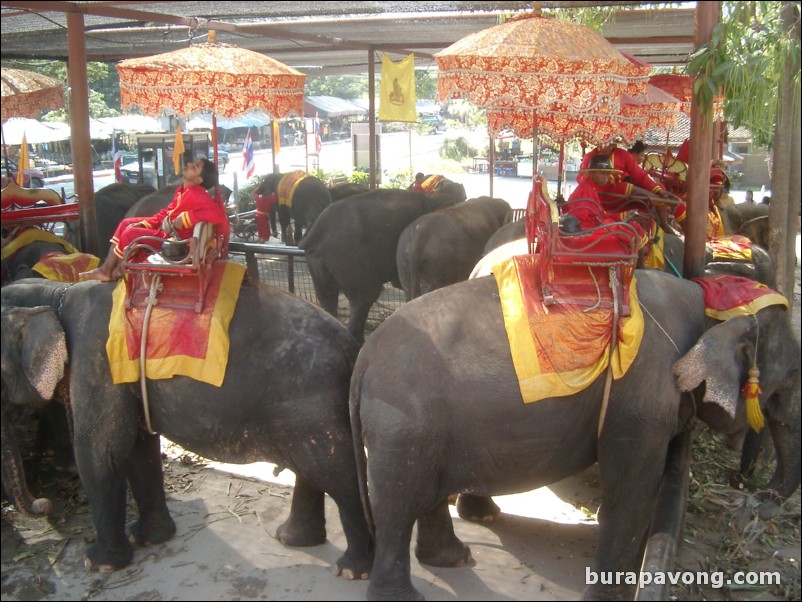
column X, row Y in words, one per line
column 286, row 268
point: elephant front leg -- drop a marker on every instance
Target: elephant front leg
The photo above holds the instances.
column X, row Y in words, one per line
column 437, row 543
column 145, row 474
column 111, row 549
column 477, row 508
column 306, row 525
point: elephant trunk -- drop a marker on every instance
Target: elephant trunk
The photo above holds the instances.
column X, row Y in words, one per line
column 14, row 474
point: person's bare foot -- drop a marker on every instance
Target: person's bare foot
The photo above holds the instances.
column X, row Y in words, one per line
column 96, row 274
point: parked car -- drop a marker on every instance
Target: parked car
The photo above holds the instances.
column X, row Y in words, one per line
column 432, row 124
column 34, row 178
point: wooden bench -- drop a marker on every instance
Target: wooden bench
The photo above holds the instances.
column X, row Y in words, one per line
column 206, row 245
column 568, row 258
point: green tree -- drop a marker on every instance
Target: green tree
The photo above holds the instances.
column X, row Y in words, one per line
column 753, row 58
column 104, row 85
column 350, row 87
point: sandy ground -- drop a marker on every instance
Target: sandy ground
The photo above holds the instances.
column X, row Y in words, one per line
column 225, row 548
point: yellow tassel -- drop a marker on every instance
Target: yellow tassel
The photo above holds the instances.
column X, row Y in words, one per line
column 751, row 391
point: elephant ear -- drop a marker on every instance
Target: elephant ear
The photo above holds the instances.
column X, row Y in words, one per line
column 716, row 361
column 43, row 353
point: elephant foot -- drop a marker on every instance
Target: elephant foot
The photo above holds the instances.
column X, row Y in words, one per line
column 105, row 561
column 409, row 593
column 477, row 509
column 453, row 554
column 353, row 569
column 301, row 536
column 150, row 532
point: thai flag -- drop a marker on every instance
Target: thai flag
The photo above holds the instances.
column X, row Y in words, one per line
column 248, row 164
column 117, row 158
column 318, row 137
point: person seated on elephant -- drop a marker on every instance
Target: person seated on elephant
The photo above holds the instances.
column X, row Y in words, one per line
column 638, row 152
column 417, row 185
column 627, row 167
column 715, row 227
column 191, row 204
column 585, row 203
column 750, row 198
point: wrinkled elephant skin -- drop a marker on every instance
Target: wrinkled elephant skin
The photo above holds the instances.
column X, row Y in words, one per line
column 284, row 399
column 436, row 404
column 352, row 247
column 441, row 248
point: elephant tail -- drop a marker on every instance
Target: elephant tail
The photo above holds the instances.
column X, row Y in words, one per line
column 359, row 452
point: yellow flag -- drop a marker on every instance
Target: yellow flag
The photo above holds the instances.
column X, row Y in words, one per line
column 23, row 161
column 397, row 101
column 178, row 150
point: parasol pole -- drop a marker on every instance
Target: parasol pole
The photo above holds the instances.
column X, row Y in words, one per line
column 218, row 195
column 560, row 167
column 535, row 144
column 492, row 160
column 5, row 153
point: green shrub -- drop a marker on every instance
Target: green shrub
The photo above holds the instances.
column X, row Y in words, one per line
column 457, row 149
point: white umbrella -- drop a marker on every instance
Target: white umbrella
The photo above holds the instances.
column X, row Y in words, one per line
column 36, row 132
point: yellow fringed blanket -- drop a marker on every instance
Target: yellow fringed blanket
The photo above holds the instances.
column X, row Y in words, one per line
column 560, row 351
column 179, row 341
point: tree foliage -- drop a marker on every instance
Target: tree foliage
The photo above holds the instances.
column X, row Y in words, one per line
column 746, row 59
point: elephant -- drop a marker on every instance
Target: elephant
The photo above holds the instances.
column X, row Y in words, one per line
column 441, row 247
column 436, row 408
column 747, row 219
column 302, row 201
column 352, row 247
column 507, row 233
column 267, row 408
column 111, row 203
column 339, row 192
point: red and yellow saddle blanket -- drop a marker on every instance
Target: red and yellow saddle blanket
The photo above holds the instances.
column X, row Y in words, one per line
column 560, row 349
column 62, row 267
column 731, row 247
column 65, row 267
column 179, row 341
column 730, row 296
column 287, row 186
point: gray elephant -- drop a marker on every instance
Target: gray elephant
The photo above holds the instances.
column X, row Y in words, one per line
column 507, row 233
column 441, row 248
column 747, row 219
column 267, row 408
column 295, row 196
column 339, row 192
column 436, row 404
column 352, row 246
column 111, row 203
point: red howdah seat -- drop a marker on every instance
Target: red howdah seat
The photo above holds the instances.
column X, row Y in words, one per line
column 568, row 259
column 146, row 259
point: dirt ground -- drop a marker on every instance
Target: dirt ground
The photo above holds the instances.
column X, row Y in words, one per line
column 538, row 550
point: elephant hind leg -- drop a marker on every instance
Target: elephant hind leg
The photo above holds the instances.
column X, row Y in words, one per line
column 306, row 525
column 146, row 477
column 359, row 306
column 326, row 287
column 437, row 544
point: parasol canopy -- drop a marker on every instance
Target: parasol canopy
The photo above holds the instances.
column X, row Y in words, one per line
column 538, row 63
column 211, row 77
column 660, row 110
column 681, row 88
column 27, row 94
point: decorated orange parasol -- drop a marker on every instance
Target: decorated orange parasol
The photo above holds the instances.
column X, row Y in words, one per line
column 211, row 77
column 534, row 68
column 26, row 94
column 681, row 88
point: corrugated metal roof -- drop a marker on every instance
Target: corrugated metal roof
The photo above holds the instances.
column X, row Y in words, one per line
column 317, row 38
